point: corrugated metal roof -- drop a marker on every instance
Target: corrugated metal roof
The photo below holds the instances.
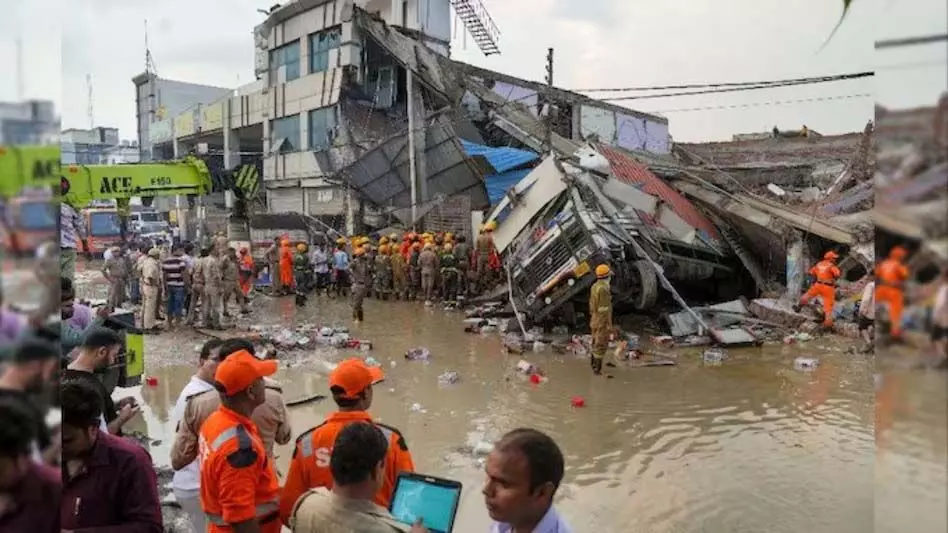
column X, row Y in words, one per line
column 627, row 169
column 502, row 159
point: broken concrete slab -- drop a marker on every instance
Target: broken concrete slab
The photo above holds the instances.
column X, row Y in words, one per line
column 773, row 310
column 719, row 315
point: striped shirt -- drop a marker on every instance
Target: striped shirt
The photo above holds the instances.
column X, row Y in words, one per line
column 71, row 227
column 173, row 268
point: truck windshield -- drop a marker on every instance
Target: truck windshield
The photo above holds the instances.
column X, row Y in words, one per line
column 150, row 217
column 104, row 224
column 37, row 215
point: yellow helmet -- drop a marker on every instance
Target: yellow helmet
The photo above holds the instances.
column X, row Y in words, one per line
column 490, row 226
column 429, row 245
column 363, row 241
column 341, row 240
column 383, row 249
column 603, row 271
column 301, row 247
column 393, row 237
column 383, row 241
column 449, row 236
column 359, row 251
column 448, row 247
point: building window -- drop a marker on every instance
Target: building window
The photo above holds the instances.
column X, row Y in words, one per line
column 285, row 133
column 322, row 128
column 320, row 44
column 288, row 57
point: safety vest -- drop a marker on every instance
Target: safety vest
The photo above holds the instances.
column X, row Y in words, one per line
column 825, row 272
column 229, row 443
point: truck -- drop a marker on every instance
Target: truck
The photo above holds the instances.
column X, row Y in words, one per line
column 29, row 220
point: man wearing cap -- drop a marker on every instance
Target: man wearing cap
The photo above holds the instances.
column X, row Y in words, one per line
column 116, row 273
column 600, row 317
column 240, row 490
column 351, row 386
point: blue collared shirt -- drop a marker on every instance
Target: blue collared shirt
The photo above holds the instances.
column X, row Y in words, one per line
column 551, row 523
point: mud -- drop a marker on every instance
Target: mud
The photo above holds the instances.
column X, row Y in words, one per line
column 745, row 444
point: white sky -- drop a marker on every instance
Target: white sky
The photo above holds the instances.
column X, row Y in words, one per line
column 599, row 43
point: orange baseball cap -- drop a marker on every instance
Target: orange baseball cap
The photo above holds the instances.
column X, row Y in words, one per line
column 354, row 376
column 240, row 370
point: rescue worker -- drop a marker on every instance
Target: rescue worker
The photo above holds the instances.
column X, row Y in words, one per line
column 286, row 266
column 116, row 272
column 462, row 251
column 370, row 255
column 429, row 264
column 358, row 274
column 383, row 273
column 245, row 269
column 449, row 275
column 302, row 269
column 213, row 287
column 399, row 275
column 482, row 248
column 891, row 275
column 221, row 243
column 151, row 280
column 230, row 273
column 600, row 317
column 197, row 286
column 240, row 490
column 414, row 271
column 351, row 385
column 273, row 264
column 826, row 273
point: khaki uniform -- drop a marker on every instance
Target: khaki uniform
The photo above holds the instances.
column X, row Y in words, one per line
column 230, row 285
column 273, row 262
column 483, row 247
column 383, row 275
column 116, row 268
column 358, row 271
column 197, row 288
column 221, row 244
column 463, row 254
column 428, row 263
column 151, row 280
column 600, row 322
column 321, row 511
column 399, row 276
column 213, row 287
column 270, row 418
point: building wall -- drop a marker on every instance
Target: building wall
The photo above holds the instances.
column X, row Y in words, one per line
column 29, row 122
column 626, row 131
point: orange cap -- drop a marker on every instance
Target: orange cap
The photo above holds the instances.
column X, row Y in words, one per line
column 240, row 370
column 354, row 376
column 830, row 255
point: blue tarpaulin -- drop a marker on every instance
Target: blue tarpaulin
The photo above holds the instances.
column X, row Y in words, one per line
column 504, row 161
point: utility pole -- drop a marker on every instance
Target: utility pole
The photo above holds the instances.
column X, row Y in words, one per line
column 548, row 105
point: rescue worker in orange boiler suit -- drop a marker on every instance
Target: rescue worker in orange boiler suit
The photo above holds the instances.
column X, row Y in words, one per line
column 891, row 275
column 245, row 267
column 826, row 273
column 240, row 490
column 286, row 264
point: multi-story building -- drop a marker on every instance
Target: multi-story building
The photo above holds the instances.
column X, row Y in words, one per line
column 87, row 147
column 28, row 122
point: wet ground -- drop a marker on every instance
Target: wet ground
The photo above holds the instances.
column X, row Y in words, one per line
column 751, row 445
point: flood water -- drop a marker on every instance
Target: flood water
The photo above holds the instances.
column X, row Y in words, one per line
column 748, row 446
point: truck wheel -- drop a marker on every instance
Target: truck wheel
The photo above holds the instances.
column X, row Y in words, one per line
column 645, row 285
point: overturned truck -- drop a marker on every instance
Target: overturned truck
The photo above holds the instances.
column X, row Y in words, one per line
column 600, row 206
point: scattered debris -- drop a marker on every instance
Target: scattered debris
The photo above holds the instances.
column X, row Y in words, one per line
column 797, row 337
column 371, row 361
column 714, row 356
column 805, row 363
column 663, row 341
column 151, row 381
column 417, row 408
column 418, row 354
column 526, row 367
column 578, row 401
column 449, row 377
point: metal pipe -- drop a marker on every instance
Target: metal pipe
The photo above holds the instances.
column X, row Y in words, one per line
column 412, row 172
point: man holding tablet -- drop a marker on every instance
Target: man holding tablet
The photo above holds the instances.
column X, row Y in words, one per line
column 351, row 386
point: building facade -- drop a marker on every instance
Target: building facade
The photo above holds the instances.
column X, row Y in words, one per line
column 28, row 122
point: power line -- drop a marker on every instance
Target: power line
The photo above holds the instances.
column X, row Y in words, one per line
column 812, row 79
column 732, row 89
column 768, row 103
column 911, row 41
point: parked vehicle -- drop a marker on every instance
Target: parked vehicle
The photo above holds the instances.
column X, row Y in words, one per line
column 29, row 221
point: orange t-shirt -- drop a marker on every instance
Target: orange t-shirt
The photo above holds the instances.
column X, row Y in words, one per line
column 309, row 467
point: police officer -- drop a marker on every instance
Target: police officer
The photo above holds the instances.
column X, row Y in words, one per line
column 428, row 263
column 230, row 287
column 213, row 287
column 600, row 317
column 358, row 272
column 462, row 251
column 240, row 490
column 197, row 286
column 116, row 272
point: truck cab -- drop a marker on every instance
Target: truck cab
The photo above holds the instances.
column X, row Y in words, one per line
column 29, row 221
column 103, row 228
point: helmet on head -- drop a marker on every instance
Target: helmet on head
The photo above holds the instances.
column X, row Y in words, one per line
column 449, row 236
column 490, row 226
column 383, row 249
column 603, row 271
column 899, row 252
column 383, row 240
column 429, row 245
column 416, row 245
column 341, row 240
column 359, row 250
column 448, row 247
column 285, row 242
column 393, row 237
column 830, row 255
column 301, row 247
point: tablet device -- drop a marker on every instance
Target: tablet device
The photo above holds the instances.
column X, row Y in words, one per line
column 433, row 499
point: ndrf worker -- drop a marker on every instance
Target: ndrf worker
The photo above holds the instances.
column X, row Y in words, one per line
column 826, row 274
column 246, row 268
column 891, row 275
column 600, row 317
column 286, row 265
column 358, row 272
column 240, row 490
column 351, row 386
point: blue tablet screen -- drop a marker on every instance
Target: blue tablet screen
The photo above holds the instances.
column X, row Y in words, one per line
column 433, row 503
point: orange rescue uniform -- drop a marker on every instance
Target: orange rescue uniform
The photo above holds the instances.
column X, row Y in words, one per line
column 826, row 273
column 286, row 265
column 237, row 479
column 309, row 467
column 891, row 275
column 246, row 267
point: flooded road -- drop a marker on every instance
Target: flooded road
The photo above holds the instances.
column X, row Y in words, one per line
column 749, row 446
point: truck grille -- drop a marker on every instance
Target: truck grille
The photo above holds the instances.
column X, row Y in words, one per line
column 556, row 255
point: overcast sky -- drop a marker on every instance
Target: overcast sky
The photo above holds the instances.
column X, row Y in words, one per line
column 599, row 43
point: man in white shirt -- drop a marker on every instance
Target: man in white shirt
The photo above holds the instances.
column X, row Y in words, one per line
column 867, row 315
column 186, row 483
column 524, row 470
column 940, row 320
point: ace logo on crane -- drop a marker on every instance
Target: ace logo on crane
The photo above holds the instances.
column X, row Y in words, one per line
column 116, row 185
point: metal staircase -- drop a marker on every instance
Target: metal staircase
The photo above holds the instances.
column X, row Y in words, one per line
column 479, row 24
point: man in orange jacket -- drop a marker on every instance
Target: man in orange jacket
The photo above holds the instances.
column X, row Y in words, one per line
column 891, row 275
column 245, row 268
column 239, row 489
column 286, row 266
column 826, row 273
column 351, row 386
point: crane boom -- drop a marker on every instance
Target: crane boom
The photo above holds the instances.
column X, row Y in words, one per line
column 84, row 183
column 24, row 167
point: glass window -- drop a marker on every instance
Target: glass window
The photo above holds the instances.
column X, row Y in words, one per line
column 37, row 216
column 320, row 44
column 322, row 128
column 104, row 224
column 287, row 129
column 287, row 55
column 324, row 195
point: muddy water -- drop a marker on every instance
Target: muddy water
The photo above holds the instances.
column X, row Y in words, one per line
column 750, row 446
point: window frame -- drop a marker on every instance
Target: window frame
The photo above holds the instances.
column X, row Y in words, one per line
column 330, row 124
column 278, row 58
column 320, row 44
column 288, row 137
